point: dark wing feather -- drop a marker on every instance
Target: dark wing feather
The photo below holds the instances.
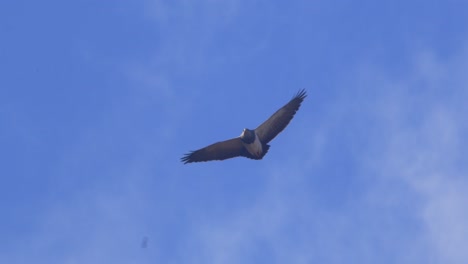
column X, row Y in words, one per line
column 280, row 119
column 218, row 151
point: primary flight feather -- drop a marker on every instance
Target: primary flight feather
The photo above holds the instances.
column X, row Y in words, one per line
column 251, row 144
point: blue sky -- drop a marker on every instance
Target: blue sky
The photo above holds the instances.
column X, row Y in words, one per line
column 100, row 99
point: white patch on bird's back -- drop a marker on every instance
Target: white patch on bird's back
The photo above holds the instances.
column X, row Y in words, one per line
column 255, row 148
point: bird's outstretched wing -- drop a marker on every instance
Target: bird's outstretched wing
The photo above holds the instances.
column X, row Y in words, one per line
column 269, row 129
column 218, row 151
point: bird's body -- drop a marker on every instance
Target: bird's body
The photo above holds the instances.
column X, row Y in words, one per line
column 255, row 148
column 251, row 144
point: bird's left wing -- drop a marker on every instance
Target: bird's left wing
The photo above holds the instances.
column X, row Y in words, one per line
column 218, row 151
column 280, row 119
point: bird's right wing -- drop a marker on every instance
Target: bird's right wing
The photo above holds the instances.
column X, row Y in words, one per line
column 218, row 151
column 280, row 119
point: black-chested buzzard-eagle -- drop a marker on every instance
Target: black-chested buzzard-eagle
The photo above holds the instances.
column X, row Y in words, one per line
column 252, row 144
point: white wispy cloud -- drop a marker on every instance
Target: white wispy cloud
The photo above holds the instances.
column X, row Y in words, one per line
column 427, row 153
column 405, row 201
column 412, row 206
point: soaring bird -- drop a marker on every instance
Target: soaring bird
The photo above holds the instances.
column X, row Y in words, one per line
column 251, row 144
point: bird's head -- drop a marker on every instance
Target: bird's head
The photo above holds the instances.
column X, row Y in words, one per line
column 247, row 136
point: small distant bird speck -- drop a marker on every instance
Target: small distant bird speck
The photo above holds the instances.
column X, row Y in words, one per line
column 144, row 242
column 252, row 144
